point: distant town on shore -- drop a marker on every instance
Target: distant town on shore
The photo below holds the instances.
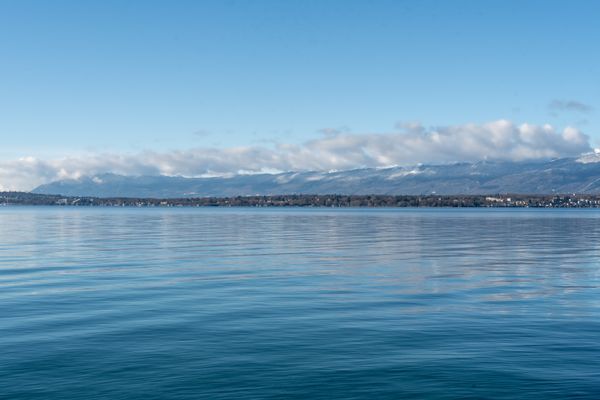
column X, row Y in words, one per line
column 328, row 200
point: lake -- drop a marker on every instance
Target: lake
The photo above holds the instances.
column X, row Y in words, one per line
column 126, row 303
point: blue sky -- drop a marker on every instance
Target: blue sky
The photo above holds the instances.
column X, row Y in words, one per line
column 121, row 78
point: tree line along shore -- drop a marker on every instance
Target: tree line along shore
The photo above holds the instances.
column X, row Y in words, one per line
column 306, row 200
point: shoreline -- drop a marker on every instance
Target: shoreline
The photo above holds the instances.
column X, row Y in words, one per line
column 313, row 201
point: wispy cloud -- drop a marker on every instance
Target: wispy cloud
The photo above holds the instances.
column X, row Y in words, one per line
column 569, row 105
column 202, row 133
column 413, row 144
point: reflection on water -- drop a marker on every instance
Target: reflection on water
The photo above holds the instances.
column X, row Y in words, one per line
column 243, row 303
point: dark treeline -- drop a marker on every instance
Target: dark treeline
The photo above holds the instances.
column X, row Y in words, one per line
column 332, row 200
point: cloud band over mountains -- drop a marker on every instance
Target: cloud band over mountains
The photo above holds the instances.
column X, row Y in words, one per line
column 412, row 144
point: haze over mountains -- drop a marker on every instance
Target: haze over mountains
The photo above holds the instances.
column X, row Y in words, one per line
column 565, row 175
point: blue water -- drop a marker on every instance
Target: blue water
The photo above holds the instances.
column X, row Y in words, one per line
column 305, row 304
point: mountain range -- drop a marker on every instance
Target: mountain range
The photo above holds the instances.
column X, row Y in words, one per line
column 565, row 175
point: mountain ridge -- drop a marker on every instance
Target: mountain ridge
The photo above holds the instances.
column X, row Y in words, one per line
column 564, row 175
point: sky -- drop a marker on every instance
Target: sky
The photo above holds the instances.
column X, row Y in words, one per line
column 201, row 88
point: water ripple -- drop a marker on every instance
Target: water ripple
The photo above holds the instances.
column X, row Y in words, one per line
column 270, row 304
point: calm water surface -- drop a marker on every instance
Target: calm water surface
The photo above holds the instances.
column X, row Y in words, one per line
column 307, row 304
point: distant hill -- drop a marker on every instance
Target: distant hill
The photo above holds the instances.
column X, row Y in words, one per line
column 567, row 175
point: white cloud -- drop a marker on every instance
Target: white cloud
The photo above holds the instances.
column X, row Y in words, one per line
column 336, row 151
